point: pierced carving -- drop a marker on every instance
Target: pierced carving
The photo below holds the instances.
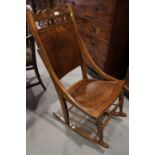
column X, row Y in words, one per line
column 51, row 17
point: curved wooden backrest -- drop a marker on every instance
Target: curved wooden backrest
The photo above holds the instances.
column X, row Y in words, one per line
column 54, row 31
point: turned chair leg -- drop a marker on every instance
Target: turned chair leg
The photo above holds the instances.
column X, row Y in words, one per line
column 121, row 104
column 100, row 133
column 34, row 61
column 121, row 100
column 64, row 107
column 65, row 112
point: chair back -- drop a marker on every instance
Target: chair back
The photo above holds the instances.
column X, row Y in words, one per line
column 56, row 34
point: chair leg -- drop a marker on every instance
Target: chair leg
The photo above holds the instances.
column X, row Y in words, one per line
column 65, row 111
column 64, row 107
column 38, row 76
column 121, row 100
column 100, row 133
column 121, row 104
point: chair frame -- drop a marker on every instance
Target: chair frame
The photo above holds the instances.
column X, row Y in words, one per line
column 65, row 97
column 33, row 65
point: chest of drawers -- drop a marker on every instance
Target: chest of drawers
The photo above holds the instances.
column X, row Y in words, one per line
column 103, row 25
column 40, row 4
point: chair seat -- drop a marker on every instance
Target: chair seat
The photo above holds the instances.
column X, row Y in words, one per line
column 95, row 96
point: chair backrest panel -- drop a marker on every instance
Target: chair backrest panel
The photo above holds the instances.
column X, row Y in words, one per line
column 57, row 34
column 62, row 48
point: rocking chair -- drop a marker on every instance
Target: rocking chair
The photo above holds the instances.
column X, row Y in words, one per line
column 62, row 50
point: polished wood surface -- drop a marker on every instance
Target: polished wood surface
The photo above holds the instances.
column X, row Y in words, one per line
column 95, row 96
column 62, row 49
column 104, row 27
column 61, row 44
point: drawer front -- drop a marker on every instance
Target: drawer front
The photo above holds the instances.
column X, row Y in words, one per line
column 98, row 58
column 97, row 29
column 96, row 9
column 85, row 9
column 97, row 48
column 104, row 10
column 96, row 43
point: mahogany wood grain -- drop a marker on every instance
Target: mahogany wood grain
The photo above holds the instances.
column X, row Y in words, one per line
column 96, row 28
column 94, row 95
column 108, row 21
column 62, row 49
column 62, row 46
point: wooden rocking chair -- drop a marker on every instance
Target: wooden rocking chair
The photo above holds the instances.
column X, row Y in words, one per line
column 62, row 50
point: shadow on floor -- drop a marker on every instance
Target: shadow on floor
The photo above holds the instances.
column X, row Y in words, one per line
column 32, row 100
column 78, row 140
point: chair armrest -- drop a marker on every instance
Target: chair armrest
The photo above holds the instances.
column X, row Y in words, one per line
column 30, row 42
column 29, row 37
column 90, row 62
column 86, row 56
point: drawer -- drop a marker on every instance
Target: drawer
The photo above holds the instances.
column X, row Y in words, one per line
column 95, row 28
column 83, row 8
column 96, row 9
column 104, row 11
column 96, row 43
column 98, row 55
column 98, row 58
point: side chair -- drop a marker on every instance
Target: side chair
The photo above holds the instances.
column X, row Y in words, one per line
column 62, row 50
column 31, row 63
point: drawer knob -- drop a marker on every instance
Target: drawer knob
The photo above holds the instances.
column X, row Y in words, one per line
column 94, row 29
column 96, row 9
column 93, row 43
